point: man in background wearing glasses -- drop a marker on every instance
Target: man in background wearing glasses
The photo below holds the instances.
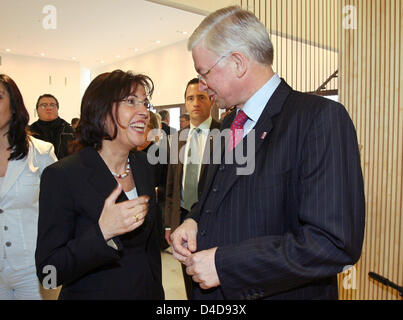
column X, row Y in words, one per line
column 50, row 127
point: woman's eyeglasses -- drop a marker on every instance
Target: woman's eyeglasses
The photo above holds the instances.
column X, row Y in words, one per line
column 133, row 102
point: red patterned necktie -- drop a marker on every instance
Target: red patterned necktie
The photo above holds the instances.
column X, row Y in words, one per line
column 236, row 133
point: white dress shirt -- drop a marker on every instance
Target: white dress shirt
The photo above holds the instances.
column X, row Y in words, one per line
column 132, row 194
column 256, row 104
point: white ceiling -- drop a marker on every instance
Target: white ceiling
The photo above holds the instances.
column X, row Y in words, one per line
column 94, row 32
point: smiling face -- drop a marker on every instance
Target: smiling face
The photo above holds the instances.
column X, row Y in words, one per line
column 132, row 120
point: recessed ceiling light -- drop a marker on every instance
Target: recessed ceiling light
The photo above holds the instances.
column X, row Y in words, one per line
column 8, row 50
column 117, row 56
column 74, row 58
column 158, row 42
column 137, row 49
column 42, row 54
column 102, row 61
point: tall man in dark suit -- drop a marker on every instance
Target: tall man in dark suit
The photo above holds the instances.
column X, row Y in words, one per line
column 182, row 187
column 284, row 230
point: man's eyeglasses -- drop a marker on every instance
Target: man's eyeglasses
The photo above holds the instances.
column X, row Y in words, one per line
column 202, row 76
column 133, row 102
column 46, row 105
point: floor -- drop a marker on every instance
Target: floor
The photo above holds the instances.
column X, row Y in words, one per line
column 172, row 280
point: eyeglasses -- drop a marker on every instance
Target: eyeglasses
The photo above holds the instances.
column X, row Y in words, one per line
column 133, row 102
column 46, row 105
column 202, row 76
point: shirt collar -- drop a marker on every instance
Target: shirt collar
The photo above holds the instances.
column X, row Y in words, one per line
column 256, row 104
column 205, row 125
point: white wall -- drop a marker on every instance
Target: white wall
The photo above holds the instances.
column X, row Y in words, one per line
column 32, row 77
column 170, row 68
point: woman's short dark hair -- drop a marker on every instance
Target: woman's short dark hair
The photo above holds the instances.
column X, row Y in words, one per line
column 17, row 133
column 97, row 104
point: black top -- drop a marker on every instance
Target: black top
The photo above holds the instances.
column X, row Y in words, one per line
column 168, row 130
column 58, row 132
column 72, row 196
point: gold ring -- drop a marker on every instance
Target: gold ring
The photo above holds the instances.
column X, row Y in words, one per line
column 137, row 217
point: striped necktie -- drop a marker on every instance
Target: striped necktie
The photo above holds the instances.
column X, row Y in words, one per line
column 236, row 133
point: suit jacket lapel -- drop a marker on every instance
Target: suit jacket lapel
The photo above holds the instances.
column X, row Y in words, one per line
column 209, row 147
column 181, row 159
column 265, row 124
column 262, row 131
column 218, row 145
column 99, row 175
column 14, row 170
column 139, row 174
column 104, row 182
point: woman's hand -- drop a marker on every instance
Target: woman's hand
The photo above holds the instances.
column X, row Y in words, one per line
column 123, row 217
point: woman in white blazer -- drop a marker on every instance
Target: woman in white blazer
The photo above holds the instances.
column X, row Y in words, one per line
column 22, row 160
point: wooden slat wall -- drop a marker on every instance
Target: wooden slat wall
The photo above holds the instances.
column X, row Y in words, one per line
column 305, row 55
column 370, row 88
column 368, row 59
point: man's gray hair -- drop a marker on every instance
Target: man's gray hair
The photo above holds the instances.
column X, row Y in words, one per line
column 234, row 29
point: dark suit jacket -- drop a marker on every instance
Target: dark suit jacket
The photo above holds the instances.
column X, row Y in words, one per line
column 167, row 129
column 287, row 229
column 72, row 196
column 175, row 176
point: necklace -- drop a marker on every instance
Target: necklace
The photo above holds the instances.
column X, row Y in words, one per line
column 125, row 174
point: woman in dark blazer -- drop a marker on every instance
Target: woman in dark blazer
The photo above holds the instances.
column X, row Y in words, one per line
column 97, row 234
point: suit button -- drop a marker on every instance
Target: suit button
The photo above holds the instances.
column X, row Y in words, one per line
column 203, row 233
column 1, row 211
column 8, row 244
column 208, row 211
column 221, row 167
column 215, row 190
column 5, row 228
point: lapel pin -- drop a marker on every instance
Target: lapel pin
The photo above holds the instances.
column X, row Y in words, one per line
column 264, row 134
